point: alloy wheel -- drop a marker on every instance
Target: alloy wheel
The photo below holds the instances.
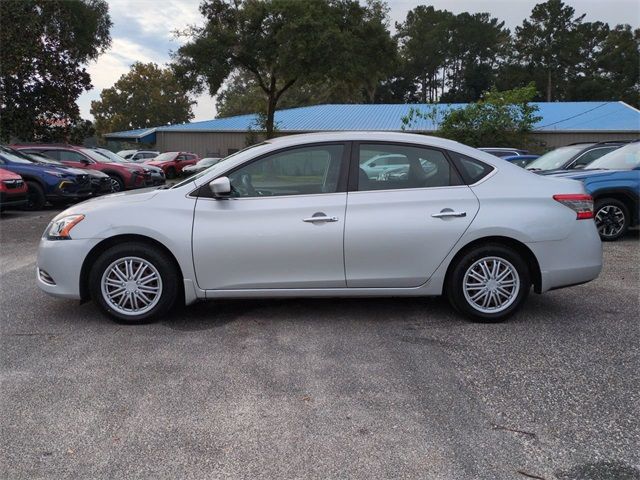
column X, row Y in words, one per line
column 131, row 285
column 610, row 220
column 115, row 185
column 491, row 284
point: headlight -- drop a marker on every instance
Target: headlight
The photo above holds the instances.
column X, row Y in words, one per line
column 61, row 228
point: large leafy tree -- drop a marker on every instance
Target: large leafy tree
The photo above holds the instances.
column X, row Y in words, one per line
column 146, row 96
column 45, row 47
column 547, row 44
column 285, row 43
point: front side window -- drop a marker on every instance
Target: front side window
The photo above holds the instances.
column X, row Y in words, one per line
column 300, row 171
column 388, row 167
column 591, row 155
column 70, row 156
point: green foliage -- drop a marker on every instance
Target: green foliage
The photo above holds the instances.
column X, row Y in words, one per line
column 147, row 96
column 498, row 119
column 45, row 45
column 281, row 43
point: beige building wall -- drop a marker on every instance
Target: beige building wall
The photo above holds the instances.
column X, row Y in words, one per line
column 221, row 144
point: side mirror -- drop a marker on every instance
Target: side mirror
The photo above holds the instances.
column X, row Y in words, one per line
column 85, row 161
column 579, row 167
column 220, row 187
column 372, row 164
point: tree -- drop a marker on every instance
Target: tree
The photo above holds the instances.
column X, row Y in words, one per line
column 45, row 45
column 618, row 62
column 547, row 44
column 282, row 43
column 499, row 118
column 146, row 96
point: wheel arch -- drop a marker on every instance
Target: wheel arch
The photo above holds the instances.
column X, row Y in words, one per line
column 518, row 246
column 107, row 243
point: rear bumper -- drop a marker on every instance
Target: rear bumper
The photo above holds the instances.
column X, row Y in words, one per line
column 574, row 260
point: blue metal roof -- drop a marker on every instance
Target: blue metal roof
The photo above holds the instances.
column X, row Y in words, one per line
column 557, row 117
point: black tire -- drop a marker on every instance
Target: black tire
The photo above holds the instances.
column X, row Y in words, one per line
column 158, row 259
column 455, row 289
column 35, row 196
column 612, row 219
column 117, row 184
column 171, row 173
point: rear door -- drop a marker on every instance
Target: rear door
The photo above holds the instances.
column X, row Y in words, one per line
column 402, row 225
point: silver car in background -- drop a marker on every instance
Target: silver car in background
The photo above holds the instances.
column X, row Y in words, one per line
column 298, row 216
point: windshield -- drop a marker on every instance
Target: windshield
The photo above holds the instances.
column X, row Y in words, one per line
column 14, row 156
column 110, row 155
column 215, row 166
column 163, row 157
column 556, row 158
column 625, row 158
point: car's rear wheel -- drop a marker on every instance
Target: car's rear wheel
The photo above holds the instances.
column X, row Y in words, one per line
column 171, row 173
column 612, row 219
column 489, row 283
column 134, row 282
column 35, row 196
column 117, row 184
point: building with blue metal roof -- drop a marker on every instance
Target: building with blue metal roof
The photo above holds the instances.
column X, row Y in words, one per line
column 560, row 123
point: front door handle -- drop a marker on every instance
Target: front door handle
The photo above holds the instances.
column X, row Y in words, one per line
column 448, row 213
column 320, row 217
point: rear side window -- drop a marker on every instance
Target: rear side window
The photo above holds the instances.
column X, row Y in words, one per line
column 472, row 170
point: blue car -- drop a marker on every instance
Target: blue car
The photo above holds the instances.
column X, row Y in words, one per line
column 521, row 160
column 614, row 183
column 46, row 182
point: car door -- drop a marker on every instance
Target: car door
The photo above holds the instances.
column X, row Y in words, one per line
column 399, row 228
column 282, row 226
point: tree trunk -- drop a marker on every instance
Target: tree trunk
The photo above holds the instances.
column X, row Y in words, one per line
column 424, row 88
column 271, row 111
column 548, row 85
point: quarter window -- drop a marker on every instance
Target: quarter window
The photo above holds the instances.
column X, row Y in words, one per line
column 301, row 171
column 472, row 170
column 388, row 167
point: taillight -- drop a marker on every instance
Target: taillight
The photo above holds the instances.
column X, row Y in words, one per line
column 580, row 203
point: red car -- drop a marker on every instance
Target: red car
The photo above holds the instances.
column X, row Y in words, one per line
column 124, row 176
column 172, row 163
column 13, row 190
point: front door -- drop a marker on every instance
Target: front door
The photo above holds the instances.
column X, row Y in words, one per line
column 401, row 225
column 282, row 227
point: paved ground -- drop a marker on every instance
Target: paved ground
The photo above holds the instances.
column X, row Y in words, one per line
column 320, row 388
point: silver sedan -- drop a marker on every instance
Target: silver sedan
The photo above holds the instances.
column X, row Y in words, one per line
column 299, row 216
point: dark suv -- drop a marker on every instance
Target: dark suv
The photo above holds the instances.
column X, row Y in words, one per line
column 574, row 156
column 123, row 176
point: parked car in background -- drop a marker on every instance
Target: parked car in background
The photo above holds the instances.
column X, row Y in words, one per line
column 273, row 221
column 45, row 182
column 521, row 160
column 574, row 156
column 156, row 175
column 100, row 182
column 13, row 190
column 173, row 162
column 138, row 155
column 202, row 164
column 504, row 151
column 123, row 176
column 613, row 181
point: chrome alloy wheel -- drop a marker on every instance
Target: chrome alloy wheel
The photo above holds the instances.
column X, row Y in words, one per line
column 610, row 220
column 491, row 284
column 131, row 285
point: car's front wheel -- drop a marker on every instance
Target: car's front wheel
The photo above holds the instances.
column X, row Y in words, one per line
column 489, row 283
column 612, row 219
column 171, row 173
column 134, row 282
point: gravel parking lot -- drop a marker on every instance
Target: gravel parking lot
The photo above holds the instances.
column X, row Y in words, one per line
column 375, row 388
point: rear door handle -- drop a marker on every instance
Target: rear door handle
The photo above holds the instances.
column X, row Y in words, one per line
column 449, row 213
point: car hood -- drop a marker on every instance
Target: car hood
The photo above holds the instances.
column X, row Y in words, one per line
column 7, row 175
column 153, row 163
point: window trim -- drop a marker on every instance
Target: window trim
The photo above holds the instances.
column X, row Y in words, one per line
column 355, row 165
column 205, row 192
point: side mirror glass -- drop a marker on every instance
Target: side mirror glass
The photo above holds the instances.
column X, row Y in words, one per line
column 220, row 187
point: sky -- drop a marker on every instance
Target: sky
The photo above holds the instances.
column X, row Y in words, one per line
column 143, row 30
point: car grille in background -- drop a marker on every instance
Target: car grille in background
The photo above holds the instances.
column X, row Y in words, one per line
column 10, row 184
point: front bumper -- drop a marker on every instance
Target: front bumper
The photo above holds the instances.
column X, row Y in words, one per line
column 62, row 260
column 155, row 179
column 574, row 260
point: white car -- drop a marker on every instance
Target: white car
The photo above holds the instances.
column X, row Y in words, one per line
column 297, row 216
